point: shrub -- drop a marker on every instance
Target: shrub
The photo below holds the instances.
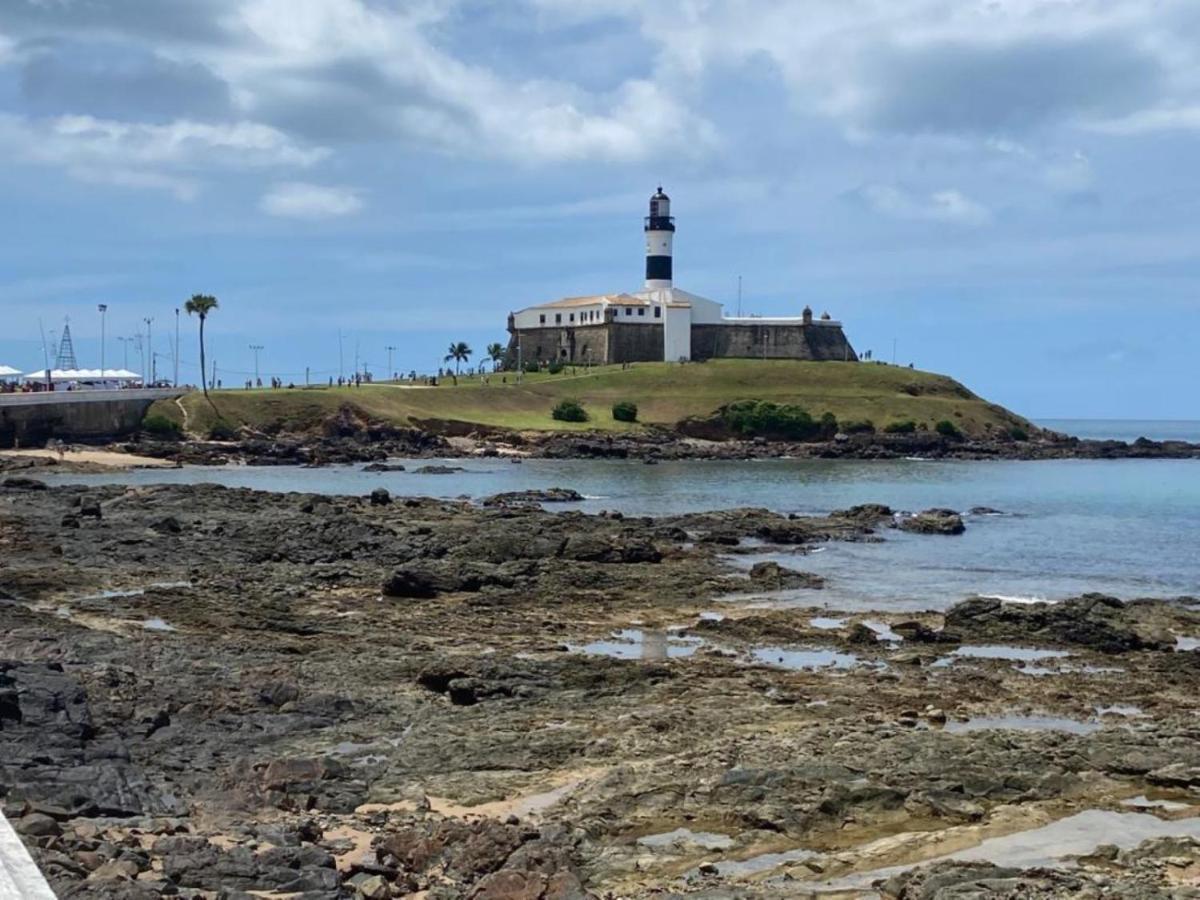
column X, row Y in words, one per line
column 762, row 418
column 162, row 427
column 531, row 367
column 829, row 425
column 555, row 366
column 222, row 431
column 905, row 426
column 569, row 411
column 866, row 426
column 948, row 429
column 1017, row 433
column 625, row 411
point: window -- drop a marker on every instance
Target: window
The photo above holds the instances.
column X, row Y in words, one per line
column 572, row 317
column 641, row 310
column 629, row 311
column 542, row 319
column 658, row 312
column 558, row 318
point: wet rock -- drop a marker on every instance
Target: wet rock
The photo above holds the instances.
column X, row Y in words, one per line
column 22, row 483
column 167, row 525
column 535, row 496
column 861, row 635
column 773, row 576
column 439, row 470
column 1093, row 620
column 933, row 521
column 380, row 497
column 37, row 825
column 90, row 508
column 868, row 512
column 383, row 467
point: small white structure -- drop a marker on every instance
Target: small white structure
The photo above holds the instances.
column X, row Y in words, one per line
column 81, row 378
column 9, row 373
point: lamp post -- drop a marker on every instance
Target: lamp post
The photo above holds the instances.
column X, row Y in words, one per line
column 103, row 307
column 390, row 349
column 256, row 348
column 149, row 348
column 176, row 347
column 125, row 348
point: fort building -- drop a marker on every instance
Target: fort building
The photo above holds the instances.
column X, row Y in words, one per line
column 664, row 323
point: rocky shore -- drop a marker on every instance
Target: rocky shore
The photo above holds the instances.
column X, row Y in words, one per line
column 210, row 692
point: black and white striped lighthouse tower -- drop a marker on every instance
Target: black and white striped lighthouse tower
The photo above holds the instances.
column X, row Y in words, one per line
column 660, row 232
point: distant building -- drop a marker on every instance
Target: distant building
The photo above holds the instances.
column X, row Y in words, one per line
column 662, row 322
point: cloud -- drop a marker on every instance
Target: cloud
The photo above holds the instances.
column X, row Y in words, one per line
column 1148, row 121
column 948, row 206
column 166, row 157
column 69, row 78
column 300, row 200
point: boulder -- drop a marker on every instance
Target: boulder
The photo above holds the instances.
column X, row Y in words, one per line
column 773, row 576
column 933, row 521
column 534, row 496
column 380, row 497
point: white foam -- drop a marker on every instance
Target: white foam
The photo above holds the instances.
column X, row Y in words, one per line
column 1016, row 598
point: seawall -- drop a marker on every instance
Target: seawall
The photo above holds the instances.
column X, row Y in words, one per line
column 32, row 419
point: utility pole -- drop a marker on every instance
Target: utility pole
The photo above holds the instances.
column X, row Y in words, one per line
column 256, row 348
column 213, row 380
column 137, row 338
column 176, row 346
column 893, row 351
column 103, row 307
column 520, row 364
column 739, row 296
column 150, row 347
column 341, row 356
column 125, row 349
column 390, row 349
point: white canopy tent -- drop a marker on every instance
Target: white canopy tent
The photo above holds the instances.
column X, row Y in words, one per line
column 84, row 376
column 7, row 372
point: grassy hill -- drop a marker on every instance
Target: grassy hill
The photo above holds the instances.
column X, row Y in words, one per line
column 664, row 393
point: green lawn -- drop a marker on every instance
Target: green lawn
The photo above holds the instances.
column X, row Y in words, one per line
column 665, row 393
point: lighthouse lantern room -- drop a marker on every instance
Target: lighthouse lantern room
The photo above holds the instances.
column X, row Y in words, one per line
column 660, row 232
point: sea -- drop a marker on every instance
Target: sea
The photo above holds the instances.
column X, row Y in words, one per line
column 1127, row 528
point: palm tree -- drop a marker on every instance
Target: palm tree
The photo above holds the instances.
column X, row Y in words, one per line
column 201, row 305
column 460, row 353
column 495, row 354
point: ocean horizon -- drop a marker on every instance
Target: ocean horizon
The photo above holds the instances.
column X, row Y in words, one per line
column 1126, row 429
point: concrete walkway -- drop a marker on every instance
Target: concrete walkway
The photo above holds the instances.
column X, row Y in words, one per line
column 20, row 878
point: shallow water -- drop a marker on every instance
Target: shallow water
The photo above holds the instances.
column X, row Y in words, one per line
column 1050, row 845
column 805, row 659
column 650, row 645
column 1023, row 723
column 1069, row 526
column 707, row 840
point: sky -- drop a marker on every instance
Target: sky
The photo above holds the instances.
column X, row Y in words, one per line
column 1005, row 191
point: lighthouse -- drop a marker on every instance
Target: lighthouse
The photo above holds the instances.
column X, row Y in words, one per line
column 660, row 231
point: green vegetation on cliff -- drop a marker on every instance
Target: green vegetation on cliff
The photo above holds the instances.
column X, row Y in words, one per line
column 665, row 394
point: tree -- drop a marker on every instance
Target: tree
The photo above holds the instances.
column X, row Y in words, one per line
column 460, row 353
column 201, row 305
column 495, row 354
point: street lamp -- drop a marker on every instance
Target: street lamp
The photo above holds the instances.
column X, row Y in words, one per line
column 103, row 307
column 390, row 349
column 177, row 346
column 125, row 347
column 256, row 348
column 149, row 349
